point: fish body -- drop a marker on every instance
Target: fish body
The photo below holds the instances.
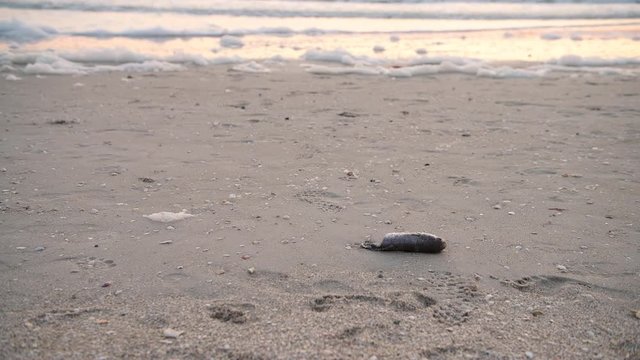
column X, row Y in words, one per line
column 409, row 242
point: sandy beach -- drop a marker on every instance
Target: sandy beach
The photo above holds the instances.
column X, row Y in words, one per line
column 533, row 183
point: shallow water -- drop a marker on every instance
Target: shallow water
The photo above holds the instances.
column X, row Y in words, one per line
column 389, row 33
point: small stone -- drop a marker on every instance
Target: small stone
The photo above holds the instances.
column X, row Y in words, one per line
column 497, row 206
column 226, row 255
column 388, row 222
column 170, row 333
column 20, row 247
column 167, row 242
column 220, row 272
column 39, row 248
column 537, row 312
column 94, row 211
column 637, row 314
column 170, row 227
column 251, row 270
column 102, row 321
column 245, row 257
column 562, row 268
column 529, row 355
column 106, row 284
column 348, row 247
column 286, row 217
column 511, row 213
column 350, row 174
column 180, row 267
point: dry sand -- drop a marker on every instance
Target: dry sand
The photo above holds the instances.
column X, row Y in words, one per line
column 535, row 184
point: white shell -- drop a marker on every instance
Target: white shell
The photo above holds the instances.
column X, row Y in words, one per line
column 166, row 216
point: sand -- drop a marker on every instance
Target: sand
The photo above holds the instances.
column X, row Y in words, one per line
column 533, row 183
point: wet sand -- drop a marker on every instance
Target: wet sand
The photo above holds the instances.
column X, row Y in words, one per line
column 533, row 183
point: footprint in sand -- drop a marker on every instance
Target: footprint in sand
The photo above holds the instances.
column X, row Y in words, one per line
column 450, row 299
column 233, row 313
column 95, row 263
column 320, row 200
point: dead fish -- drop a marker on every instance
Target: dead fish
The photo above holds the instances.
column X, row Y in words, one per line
column 410, row 242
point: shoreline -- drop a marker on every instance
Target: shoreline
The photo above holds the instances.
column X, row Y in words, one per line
column 533, row 183
column 336, row 63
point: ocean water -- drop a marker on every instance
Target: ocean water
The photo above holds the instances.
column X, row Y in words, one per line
column 398, row 38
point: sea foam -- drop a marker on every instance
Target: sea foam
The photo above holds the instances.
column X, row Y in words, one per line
column 576, row 61
column 230, row 41
column 106, row 59
column 251, row 67
column 51, row 64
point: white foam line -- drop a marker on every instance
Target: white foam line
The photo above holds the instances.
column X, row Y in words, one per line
column 121, row 59
column 340, row 56
column 251, row 67
column 578, row 61
column 66, row 61
column 472, row 68
column 342, row 70
column 610, row 71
